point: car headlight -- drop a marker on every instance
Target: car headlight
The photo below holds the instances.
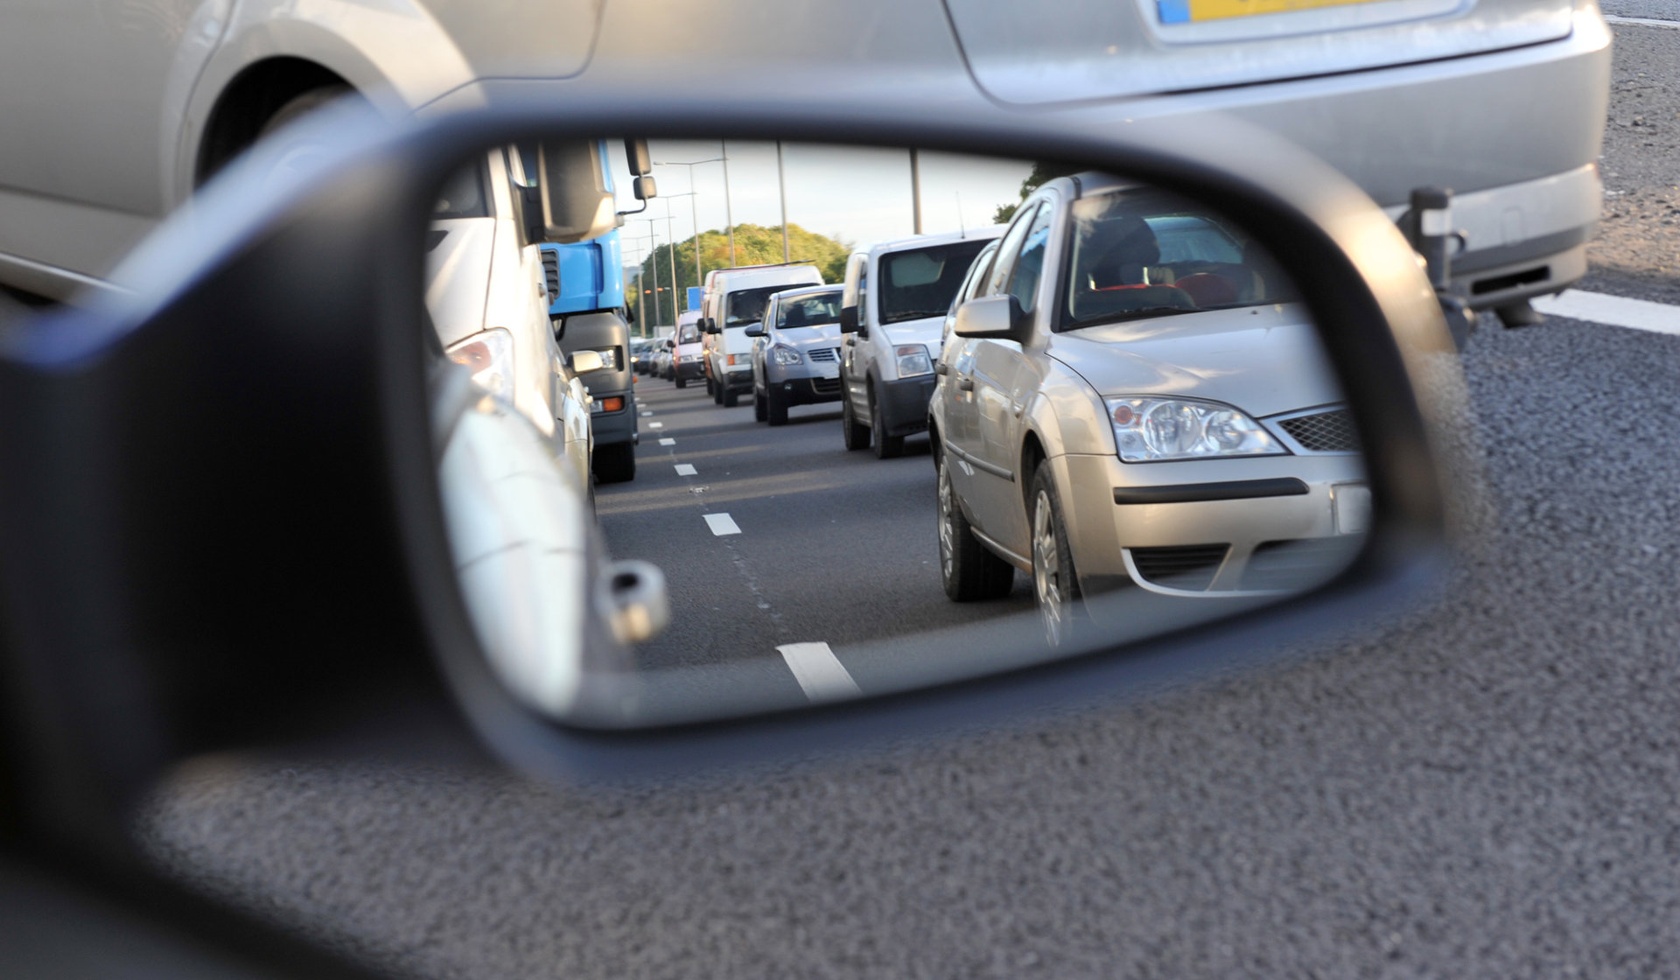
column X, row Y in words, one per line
column 913, row 360
column 785, row 355
column 1149, row 429
column 489, row 356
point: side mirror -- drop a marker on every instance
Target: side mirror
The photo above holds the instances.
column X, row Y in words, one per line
column 576, row 205
column 848, row 319
column 756, row 330
column 993, row 318
column 587, row 361
column 644, row 188
column 709, row 325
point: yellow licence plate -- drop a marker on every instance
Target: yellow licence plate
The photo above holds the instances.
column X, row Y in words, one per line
column 1197, row 11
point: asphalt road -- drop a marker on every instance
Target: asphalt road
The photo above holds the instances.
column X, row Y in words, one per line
column 1490, row 787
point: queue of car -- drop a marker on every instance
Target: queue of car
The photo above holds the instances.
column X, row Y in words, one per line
column 1077, row 436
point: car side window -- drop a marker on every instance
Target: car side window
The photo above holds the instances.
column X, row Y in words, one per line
column 1009, row 248
column 1029, row 265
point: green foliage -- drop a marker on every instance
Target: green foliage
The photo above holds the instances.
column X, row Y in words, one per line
column 754, row 245
column 1041, row 172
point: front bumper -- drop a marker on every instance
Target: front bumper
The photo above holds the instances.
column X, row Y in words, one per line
column 904, row 404
column 1212, row 528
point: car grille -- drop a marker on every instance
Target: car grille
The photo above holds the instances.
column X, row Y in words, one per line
column 823, row 353
column 825, row 386
column 551, row 273
column 1190, row 567
column 1323, row 432
column 1298, row 564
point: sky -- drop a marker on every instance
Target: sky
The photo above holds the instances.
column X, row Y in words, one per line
column 856, row 195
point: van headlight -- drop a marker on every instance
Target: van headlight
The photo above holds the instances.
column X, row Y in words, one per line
column 913, row 360
column 489, row 356
column 1151, row 429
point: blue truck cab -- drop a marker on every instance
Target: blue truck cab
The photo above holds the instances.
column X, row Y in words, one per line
column 586, row 287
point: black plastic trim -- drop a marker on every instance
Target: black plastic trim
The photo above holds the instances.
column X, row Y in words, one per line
column 1187, row 493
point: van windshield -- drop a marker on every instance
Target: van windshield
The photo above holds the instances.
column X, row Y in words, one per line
column 918, row 283
column 688, row 334
column 744, row 306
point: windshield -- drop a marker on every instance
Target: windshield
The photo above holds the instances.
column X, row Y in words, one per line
column 744, row 306
column 921, row 282
column 808, row 311
column 689, row 333
column 1139, row 254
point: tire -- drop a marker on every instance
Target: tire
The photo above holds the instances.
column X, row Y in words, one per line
column 761, row 410
column 853, row 432
column 615, row 463
column 968, row 570
column 294, row 153
column 710, row 391
column 717, row 393
column 682, row 382
column 776, row 408
column 1055, row 582
column 886, row 447
column 730, row 398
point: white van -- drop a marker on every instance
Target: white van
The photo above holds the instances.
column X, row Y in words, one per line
column 891, row 312
column 736, row 301
column 488, row 301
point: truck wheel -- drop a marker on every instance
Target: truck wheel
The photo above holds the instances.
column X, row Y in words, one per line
column 615, row 463
column 886, row 447
column 776, row 408
column 855, row 433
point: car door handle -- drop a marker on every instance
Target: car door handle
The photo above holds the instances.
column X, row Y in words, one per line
column 965, row 384
column 1017, row 408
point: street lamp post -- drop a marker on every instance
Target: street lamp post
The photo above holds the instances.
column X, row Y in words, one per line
column 728, row 209
column 694, row 215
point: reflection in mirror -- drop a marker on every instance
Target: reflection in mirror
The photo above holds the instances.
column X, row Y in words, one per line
column 1076, row 412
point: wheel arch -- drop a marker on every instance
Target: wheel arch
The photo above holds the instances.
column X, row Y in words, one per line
column 249, row 101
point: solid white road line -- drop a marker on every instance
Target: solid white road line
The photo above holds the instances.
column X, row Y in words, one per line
column 667, row 442
column 1641, row 21
column 685, row 469
column 819, row 672
column 722, row 524
column 1615, row 311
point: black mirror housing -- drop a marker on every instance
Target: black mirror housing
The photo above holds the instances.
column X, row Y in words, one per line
column 993, row 318
column 848, row 319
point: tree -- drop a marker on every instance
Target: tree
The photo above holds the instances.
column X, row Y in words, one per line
column 1041, row 172
column 754, row 245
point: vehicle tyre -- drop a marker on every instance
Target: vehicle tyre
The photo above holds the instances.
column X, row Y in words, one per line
column 761, row 410
column 295, row 152
column 854, row 432
column 730, row 398
column 969, row 571
column 717, row 393
column 886, row 447
column 682, row 382
column 710, row 391
column 1055, row 583
column 615, row 463
column 776, row 408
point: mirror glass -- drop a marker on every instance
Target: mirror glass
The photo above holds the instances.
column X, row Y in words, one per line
column 1077, row 412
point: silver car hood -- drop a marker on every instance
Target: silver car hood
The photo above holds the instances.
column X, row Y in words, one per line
column 1261, row 359
column 822, row 335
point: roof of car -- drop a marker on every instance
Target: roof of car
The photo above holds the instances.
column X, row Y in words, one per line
column 917, row 241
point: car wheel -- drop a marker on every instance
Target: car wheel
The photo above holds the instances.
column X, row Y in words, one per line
column 854, row 432
column 761, row 411
column 682, row 382
column 776, row 408
column 717, row 393
column 968, row 570
column 615, row 463
column 1055, row 585
column 710, row 390
column 730, row 398
column 886, row 447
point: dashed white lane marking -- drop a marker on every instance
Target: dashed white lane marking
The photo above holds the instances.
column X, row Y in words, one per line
column 722, row 524
column 1615, row 311
column 647, row 415
column 667, row 442
column 1641, row 21
column 685, row 469
column 656, row 425
column 819, row 672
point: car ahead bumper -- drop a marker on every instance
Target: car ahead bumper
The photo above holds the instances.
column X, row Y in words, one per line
column 904, row 404
column 1212, row 528
column 738, row 379
column 690, row 370
column 611, row 428
column 807, row 391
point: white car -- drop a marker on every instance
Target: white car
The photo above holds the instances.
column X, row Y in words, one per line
column 735, row 301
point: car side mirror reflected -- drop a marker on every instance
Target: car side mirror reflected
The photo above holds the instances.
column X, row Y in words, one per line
column 586, row 362
column 848, row 319
column 756, row 330
column 993, row 318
